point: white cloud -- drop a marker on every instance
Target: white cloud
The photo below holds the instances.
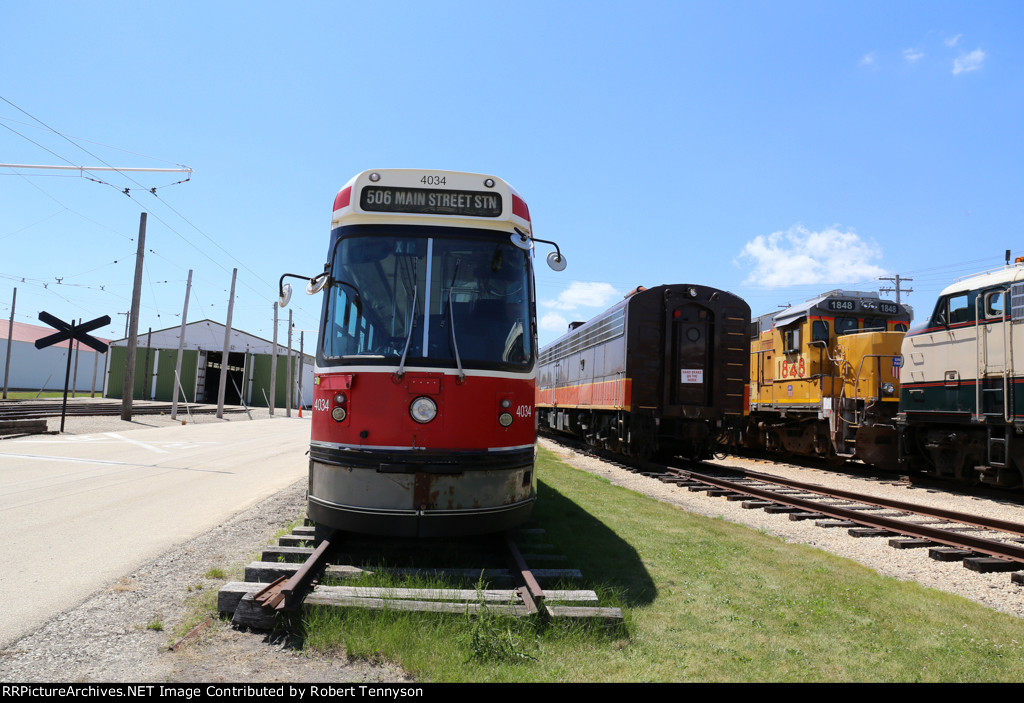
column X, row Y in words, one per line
column 553, row 322
column 584, row 294
column 968, row 62
column 799, row 256
column 913, row 55
column 953, row 41
column 868, row 60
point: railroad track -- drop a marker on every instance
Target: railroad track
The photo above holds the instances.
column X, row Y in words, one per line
column 983, row 544
column 288, row 577
column 40, row 409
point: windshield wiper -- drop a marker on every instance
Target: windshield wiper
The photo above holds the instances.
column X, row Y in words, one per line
column 412, row 325
column 451, row 320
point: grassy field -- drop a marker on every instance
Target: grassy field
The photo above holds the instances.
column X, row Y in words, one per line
column 704, row 599
column 31, row 395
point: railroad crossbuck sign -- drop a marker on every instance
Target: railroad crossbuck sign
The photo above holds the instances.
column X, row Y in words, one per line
column 74, row 332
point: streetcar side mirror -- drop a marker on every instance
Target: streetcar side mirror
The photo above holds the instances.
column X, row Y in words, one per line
column 521, row 241
column 317, row 284
column 285, row 295
column 555, row 259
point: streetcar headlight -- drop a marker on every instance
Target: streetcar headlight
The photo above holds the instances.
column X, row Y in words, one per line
column 338, row 414
column 340, row 399
column 423, row 409
column 888, row 388
column 505, row 419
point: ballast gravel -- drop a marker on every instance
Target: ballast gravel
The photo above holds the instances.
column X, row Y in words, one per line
column 994, row 590
column 122, row 633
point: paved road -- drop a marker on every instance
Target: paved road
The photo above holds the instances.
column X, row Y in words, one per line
column 77, row 512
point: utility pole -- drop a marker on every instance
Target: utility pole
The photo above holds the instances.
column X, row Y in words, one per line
column 273, row 366
column 133, row 342
column 897, row 280
column 95, row 369
column 74, row 379
column 288, row 395
column 147, row 376
column 227, row 349
column 10, row 343
column 302, row 362
column 181, row 350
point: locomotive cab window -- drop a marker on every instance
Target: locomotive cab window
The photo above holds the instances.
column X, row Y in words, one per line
column 960, row 309
column 819, row 331
column 953, row 309
column 791, row 340
column 993, row 302
column 846, row 325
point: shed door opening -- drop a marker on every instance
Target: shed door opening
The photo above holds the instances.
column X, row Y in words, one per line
column 236, row 374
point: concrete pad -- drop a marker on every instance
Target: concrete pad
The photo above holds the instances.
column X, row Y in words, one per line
column 77, row 512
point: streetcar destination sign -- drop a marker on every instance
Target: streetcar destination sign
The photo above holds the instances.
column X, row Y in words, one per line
column 427, row 201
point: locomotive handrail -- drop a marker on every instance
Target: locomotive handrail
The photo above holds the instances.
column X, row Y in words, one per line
column 860, row 369
column 981, row 348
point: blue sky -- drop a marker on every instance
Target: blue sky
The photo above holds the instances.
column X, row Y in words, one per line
column 774, row 149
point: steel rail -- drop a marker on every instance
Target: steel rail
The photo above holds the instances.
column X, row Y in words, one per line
column 34, row 410
column 287, row 593
column 980, row 545
column 953, row 515
column 529, row 589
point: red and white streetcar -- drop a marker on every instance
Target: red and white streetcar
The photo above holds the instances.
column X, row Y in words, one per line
column 423, row 412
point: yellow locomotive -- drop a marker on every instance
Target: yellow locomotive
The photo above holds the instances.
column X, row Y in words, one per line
column 824, row 378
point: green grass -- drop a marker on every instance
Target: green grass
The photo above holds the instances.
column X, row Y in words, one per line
column 704, row 600
column 31, row 395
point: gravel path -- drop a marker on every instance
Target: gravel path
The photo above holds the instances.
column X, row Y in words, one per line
column 107, row 638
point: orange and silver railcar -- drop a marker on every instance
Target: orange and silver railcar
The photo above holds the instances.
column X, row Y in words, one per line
column 661, row 373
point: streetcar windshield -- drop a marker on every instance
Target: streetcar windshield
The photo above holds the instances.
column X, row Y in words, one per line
column 434, row 300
